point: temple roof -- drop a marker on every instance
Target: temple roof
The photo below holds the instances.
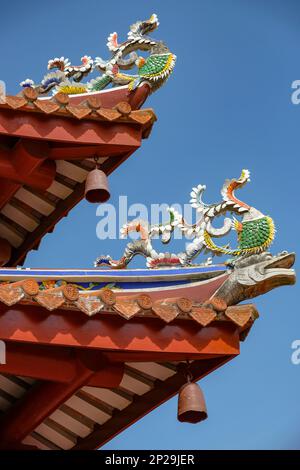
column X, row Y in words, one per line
column 120, row 351
column 47, row 148
column 143, row 338
column 90, row 106
column 85, row 353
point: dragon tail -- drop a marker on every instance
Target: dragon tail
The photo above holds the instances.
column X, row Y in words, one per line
column 218, row 249
column 134, row 83
column 99, row 83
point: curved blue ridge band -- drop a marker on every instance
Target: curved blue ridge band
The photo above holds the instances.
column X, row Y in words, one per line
column 112, row 272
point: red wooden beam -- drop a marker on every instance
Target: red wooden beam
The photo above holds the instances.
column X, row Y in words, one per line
column 111, row 333
column 62, row 129
column 8, row 190
column 80, row 152
column 25, row 447
column 26, row 156
column 144, row 356
column 24, row 164
column 39, row 402
column 106, row 374
column 57, row 364
column 39, row 362
column 110, row 377
column 5, row 251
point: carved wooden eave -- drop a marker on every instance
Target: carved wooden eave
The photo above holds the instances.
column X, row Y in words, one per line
column 119, row 353
column 105, row 301
column 47, row 147
column 112, row 371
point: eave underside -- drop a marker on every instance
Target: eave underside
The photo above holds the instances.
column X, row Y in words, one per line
column 91, row 378
column 92, row 416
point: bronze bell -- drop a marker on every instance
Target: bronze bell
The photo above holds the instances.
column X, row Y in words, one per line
column 96, row 186
column 191, row 404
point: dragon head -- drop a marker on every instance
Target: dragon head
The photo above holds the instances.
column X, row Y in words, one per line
column 275, row 269
column 257, row 274
column 141, row 28
column 230, row 186
column 244, row 178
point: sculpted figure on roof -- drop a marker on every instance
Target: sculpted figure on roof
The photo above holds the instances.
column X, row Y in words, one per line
column 255, row 231
column 154, row 69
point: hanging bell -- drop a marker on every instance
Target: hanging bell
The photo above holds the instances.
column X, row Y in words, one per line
column 96, row 186
column 191, row 404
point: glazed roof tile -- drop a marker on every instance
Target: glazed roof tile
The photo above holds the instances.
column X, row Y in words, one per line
column 90, row 108
column 106, row 302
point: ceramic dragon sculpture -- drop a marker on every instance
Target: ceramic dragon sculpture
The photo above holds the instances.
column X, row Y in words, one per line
column 155, row 69
column 255, row 232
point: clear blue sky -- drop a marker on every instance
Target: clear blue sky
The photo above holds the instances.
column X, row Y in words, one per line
column 226, row 107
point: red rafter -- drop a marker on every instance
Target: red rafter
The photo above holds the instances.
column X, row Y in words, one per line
column 41, row 362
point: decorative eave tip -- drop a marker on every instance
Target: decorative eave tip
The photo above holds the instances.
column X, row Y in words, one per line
column 254, row 271
column 153, row 70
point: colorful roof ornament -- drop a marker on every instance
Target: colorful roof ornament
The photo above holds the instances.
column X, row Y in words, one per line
column 154, row 70
column 255, row 232
column 169, row 293
column 91, row 351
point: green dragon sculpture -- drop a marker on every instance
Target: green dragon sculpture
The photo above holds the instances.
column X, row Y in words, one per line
column 255, row 231
column 155, row 69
